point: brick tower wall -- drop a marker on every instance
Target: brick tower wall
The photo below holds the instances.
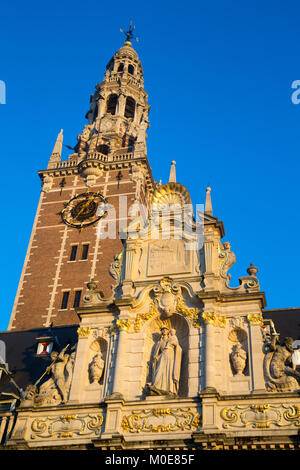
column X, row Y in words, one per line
column 48, row 271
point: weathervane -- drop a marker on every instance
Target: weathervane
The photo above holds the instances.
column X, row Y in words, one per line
column 129, row 34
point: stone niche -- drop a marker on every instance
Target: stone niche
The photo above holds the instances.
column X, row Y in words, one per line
column 152, row 335
column 238, row 359
column 95, row 371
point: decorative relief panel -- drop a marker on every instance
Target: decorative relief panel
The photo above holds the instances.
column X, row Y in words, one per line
column 66, row 426
column 262, row 416
column 168, row 256
column 162, row 420
column 168, row 300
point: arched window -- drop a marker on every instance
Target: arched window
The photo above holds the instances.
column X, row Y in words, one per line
column 121, row 68
column 129, row 107
column 131, row 69
column 112, row 104
column 104, row 149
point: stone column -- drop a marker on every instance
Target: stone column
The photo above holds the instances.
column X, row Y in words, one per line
column 121, row 104
column 80, row 363
column 129, row 259
column 120, row 362
column 102, row 104
column 130, row 252
column 256, row 356
column 208, row 254
column 209, row 319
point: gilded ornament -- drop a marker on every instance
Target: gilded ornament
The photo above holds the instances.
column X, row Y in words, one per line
column 260, row 416
column 171, row 420
column 142, row 317
column 209, row 318
column 123, row 325
column 222, row 322
column 190, row 313
column 168, row 300
column 255, row 319
column 65, row 426
column 84, row 331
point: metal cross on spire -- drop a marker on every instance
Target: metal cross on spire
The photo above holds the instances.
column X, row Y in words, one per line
column 129, row 34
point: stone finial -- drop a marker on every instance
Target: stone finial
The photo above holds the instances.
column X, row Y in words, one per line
column 208, row 205
column 172, row 178
column 58, row 144
column 252, row 270
column 56, row 153
column 93, row 296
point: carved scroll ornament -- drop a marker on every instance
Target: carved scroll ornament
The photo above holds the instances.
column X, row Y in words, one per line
column 168, row 300
column 161, row 420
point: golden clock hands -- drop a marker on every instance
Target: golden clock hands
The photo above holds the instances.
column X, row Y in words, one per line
column 84, row 206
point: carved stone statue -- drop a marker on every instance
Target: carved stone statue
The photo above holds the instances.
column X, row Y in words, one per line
column 56, row 388
column 82, row 140
column 238, row 358
column 29, row 395
column 229, row 260
column 166, row 364
column 280, row 377
column 96, row 368
column 92, row 112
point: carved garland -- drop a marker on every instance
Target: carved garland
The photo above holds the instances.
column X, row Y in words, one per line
column 190, row 313
column 212, row 319
column 169, row 420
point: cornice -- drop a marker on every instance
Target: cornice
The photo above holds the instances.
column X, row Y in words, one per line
column 234, row 297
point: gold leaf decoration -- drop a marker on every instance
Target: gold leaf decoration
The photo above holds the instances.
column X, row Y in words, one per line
column 64, row 426
column 84, row 332
column 161, row 420
column 261, row 416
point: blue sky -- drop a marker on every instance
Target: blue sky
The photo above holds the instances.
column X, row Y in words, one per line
column 219, row 78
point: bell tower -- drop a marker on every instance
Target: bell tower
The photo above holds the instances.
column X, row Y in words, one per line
column 108, row 163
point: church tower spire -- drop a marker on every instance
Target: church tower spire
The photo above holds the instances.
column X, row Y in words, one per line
column 108, row 164
column 118, row 114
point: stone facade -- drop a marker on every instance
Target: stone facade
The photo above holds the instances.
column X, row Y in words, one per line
column 168, row 354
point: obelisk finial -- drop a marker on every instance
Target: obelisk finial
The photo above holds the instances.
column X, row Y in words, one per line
column 172, row 178
column 58, row 145
column 208, row 205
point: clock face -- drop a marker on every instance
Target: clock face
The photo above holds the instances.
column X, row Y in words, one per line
column 84, row 209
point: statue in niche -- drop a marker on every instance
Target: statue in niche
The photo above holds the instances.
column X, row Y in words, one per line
column 238, row 358
column 280, row 376
column 166, row 364
column 96, row 368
